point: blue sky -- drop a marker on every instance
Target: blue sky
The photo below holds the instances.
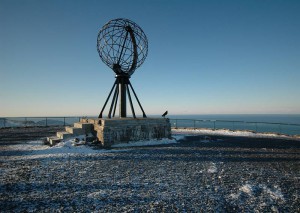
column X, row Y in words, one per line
column 205, row 57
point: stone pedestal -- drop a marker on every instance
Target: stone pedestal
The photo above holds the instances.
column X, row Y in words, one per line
column 111, row 131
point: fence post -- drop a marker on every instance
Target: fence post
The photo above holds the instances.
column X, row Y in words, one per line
column 214, row 125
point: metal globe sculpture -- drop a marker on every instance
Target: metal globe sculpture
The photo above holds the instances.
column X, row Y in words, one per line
column 123, row 46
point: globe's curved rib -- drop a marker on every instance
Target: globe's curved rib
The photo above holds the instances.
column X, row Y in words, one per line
column 122, row 43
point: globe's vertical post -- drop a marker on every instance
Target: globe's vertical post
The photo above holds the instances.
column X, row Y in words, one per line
column 122, row 89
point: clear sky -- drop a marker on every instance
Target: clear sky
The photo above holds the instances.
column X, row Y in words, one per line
column 205, row 57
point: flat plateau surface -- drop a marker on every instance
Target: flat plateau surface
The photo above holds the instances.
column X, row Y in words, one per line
column 197, row 173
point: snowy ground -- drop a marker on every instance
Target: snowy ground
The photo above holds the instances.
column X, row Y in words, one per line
column 226, row 132
column 194, row 171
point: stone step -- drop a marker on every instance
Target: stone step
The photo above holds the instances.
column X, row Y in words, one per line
column 98, row 128
column 87, row 127
column 53, row 140
column 64, row 135
column 75, row 131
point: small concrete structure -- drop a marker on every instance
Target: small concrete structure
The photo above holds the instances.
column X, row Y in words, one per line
column 110, row 131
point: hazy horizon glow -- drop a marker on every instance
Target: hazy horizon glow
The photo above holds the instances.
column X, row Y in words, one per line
column 205, row 57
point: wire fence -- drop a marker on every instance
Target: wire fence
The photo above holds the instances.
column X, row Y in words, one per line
column 260, row 127
column 37, row 121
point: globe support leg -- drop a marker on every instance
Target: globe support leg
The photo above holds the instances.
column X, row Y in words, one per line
column 130, row 101
column 100, row 115
column 117, row 88
column 114, row 100
column 121, row 89
column 144, row 114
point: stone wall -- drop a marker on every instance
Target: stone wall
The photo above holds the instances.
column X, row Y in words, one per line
column 120, row 130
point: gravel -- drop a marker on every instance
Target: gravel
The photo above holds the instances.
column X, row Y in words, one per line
column 215, row 174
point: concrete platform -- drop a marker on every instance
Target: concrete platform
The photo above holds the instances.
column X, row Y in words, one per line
column 110, row 131
column 122, row 130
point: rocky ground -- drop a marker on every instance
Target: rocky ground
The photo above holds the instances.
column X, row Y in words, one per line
column 198, row 173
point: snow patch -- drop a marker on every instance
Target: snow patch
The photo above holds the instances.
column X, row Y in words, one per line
column 274, row 194
column 212, row 168
column 37, row 149
column 247, row 188
column 100, row 193
column 227, row 132
column 254, row 192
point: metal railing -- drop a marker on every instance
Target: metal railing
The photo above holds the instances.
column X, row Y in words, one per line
column 259, row 127
column 37, row 121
